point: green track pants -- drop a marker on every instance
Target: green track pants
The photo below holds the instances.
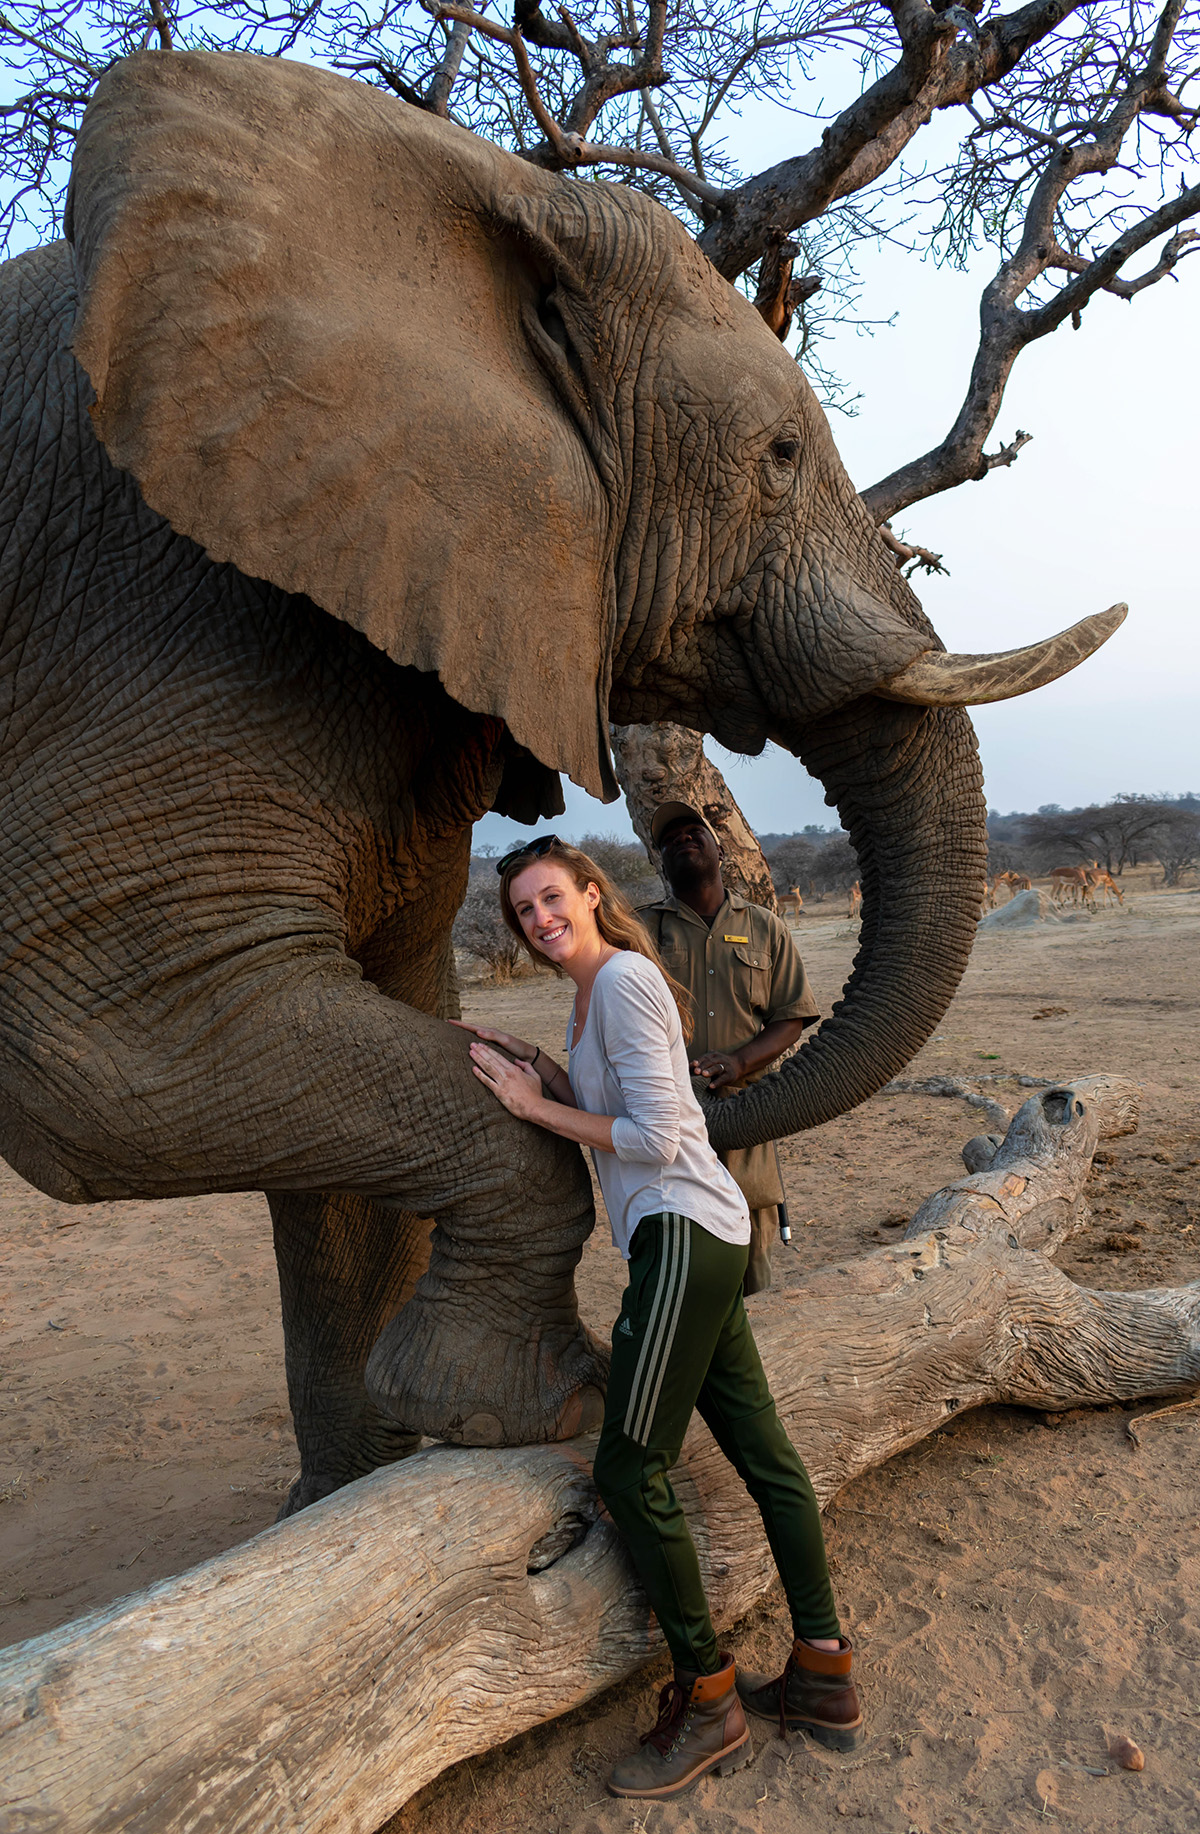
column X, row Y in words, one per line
column 683, row 1341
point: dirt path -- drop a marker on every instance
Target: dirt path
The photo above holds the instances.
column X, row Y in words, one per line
column 1014, row 1585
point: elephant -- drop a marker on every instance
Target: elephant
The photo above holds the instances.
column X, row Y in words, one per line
column 356, row 474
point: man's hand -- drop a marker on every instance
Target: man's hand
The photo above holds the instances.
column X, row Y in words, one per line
column 722, row 1068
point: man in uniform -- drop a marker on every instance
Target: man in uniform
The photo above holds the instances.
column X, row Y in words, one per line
column 749, row 991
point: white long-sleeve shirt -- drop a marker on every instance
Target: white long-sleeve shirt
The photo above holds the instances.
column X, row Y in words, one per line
column 631, row 1062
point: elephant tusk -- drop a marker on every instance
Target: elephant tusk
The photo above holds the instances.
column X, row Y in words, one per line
column 939, row 679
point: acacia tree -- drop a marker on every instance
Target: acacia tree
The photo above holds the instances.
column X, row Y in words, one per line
column 1120, row 833
column 1177, row 843
column 1070, row 163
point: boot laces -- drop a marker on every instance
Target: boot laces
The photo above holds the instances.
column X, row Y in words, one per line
column 674, row 1718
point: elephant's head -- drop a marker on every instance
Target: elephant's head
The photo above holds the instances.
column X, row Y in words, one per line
column 515, row 429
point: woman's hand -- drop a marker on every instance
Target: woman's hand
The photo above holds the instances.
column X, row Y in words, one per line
column 722, row 1068
column 515, row 1084
column 519, row 1047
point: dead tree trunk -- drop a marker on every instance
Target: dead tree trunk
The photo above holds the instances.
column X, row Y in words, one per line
column 316, row 1677
column 665, row 763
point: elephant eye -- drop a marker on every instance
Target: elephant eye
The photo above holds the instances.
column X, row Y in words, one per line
column 558, row 344
column 785, row 451
column 553, row 323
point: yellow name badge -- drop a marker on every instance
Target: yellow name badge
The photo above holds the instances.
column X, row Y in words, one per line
column 737, row 939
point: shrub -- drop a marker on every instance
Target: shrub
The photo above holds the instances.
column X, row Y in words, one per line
column 480, row 929
column 836, row 866
column 627, row 864
column 791, row 863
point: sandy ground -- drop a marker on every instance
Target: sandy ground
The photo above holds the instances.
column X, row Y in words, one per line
column 1018, row 1586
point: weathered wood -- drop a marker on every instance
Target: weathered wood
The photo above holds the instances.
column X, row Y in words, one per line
column 1041, row 1163
column 315, row 1677
column 665, row 763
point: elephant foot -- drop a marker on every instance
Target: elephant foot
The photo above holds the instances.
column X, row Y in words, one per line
column 471, row 1386
column 308, row 1488
column 382, row 1443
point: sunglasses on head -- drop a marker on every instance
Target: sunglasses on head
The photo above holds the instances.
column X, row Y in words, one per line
column 533, row 850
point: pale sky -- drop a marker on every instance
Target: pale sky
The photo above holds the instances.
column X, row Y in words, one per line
column 1102, row 506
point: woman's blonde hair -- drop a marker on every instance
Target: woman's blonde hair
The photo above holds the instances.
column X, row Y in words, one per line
column 616, row 919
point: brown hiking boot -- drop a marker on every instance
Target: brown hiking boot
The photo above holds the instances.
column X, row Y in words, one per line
column 700, row 1727
column 814, row 1694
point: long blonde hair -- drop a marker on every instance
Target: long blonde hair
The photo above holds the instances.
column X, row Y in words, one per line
column 616, row 919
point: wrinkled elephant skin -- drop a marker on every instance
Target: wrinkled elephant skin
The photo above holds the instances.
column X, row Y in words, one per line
column 355, row 473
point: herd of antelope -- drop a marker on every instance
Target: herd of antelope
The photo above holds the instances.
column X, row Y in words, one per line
column 791, row 903
column 1068, row 885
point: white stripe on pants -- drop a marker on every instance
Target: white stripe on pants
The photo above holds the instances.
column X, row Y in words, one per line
column 661, row 1329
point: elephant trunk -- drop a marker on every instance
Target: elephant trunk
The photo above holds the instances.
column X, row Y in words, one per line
column 909, row 789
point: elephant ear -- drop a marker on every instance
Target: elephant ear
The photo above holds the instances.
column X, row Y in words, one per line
column 309, row 313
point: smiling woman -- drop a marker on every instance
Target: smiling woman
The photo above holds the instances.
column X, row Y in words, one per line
column 682, row 1341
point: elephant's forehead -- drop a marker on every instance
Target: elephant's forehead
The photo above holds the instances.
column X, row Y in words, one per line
column 731, row 368
column 701, row 312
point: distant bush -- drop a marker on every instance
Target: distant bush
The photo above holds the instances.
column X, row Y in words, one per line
column 627, row 865
column 836, row 866
column 1004, row 856
column 1177, row 843
column 481, row 930
column 791, row 863
column 1124, row 832
column 822, row 863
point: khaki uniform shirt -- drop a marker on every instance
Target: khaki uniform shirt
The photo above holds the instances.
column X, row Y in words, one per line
column 742, row 973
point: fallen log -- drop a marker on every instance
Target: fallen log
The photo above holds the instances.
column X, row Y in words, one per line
column 317, row 1676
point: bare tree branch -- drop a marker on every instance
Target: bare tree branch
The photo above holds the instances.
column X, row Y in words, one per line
column 906, row 551
column 437, row 96
column 1005, row 327
column 159, row 23
column 490, row 28
column 390, row 78
column 1006, row 330
column 591, row 153
column 779, row 294
column 995, row 461
column 54, row 54
column 934, row 72
column 1184, row 242
column 565, row 147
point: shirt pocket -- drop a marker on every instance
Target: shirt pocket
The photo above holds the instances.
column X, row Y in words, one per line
column 677, row 964
column 756, row 967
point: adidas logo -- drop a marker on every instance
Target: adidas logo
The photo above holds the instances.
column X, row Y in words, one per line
column 625, row 1328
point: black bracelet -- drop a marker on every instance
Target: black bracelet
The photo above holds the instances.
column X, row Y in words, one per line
column 533, row 1060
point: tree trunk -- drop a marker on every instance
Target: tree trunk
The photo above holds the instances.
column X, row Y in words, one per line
column 664, row 763
column 314, row 1678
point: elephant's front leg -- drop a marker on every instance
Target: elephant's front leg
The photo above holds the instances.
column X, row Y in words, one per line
column 303, row 1078
column 490, row 1350
column 346, row 1266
